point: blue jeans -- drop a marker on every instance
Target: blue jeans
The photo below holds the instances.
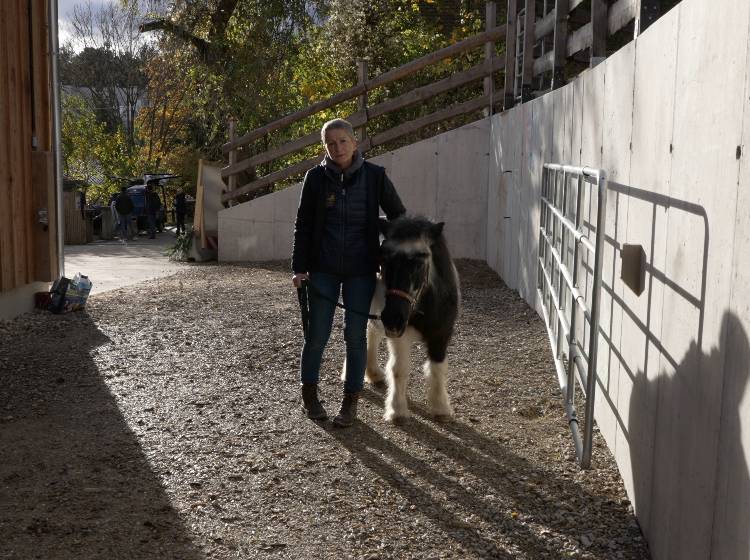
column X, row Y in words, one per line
column 123, row 223
column 357, row 293
column 151, row 224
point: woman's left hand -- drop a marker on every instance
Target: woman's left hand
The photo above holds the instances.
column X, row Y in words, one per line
column 300, row 277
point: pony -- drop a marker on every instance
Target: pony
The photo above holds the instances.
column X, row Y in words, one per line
column 417, row 297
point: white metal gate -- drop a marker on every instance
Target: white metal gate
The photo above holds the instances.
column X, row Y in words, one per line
column 568, row 315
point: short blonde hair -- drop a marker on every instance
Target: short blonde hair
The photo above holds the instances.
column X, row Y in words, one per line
column 334, row 124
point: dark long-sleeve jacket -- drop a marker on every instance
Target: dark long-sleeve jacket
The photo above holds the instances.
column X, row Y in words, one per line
column 319, row 188
column 179, row 203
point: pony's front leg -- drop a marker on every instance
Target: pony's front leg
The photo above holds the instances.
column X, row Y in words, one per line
column 437, row 394
column 397, row 370
column 375, row 334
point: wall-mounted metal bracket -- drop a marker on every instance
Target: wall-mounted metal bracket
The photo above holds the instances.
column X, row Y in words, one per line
column 42, row 218
column 633, row 272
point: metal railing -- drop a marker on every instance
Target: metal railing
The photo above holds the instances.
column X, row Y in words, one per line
column 561, row 237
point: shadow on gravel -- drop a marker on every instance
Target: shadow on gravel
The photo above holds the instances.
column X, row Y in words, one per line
column 536, row 496
column 74, row 481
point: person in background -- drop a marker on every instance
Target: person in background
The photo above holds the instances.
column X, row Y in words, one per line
column 179, row 211
column 153, row 204
column 81, row 203
column 124, row 208
column 336, row 249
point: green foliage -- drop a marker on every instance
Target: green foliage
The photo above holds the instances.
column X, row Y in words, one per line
column 90, row 152
column 256, row 60
column 180, row 251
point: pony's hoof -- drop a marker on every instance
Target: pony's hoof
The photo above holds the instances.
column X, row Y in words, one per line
column 394, row 418
column 440, row 409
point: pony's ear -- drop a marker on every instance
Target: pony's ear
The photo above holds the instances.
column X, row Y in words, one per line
column 383, row 226
column 436, row 230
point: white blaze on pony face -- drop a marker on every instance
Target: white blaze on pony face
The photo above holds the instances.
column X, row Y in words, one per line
column 406, row 270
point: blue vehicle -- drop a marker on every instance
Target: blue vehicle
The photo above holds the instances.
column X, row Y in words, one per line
column 137, row 193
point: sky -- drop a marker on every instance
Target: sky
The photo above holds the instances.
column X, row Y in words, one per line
column 65, row 14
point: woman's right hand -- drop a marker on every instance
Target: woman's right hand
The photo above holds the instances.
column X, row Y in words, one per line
column 300, row 277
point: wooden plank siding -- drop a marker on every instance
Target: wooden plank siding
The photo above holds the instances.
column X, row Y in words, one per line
column 6, row 238
column 28, row 251
column 75, row 224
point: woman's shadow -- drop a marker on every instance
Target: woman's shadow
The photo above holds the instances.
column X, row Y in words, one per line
column 690, row 474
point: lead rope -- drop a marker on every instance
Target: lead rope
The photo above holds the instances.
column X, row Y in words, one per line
column 413, row 300
column 320, row 294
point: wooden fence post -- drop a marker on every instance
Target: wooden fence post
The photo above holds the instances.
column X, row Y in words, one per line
column 599, row 31
column 527, row 73
column 509, row 99
column 362, row 99
column 233, row 154
column 646, row 13
column 562, row 8
column 489, row 54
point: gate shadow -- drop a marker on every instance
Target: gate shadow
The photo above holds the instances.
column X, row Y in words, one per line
column 74, row 481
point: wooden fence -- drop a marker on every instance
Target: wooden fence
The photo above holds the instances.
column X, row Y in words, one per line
column 28, row 249
column 78, row 229
column 554, row 33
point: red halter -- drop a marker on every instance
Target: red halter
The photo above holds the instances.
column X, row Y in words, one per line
column 403, row 295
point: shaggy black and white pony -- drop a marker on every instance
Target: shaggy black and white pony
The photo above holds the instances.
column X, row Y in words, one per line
column 417, row 298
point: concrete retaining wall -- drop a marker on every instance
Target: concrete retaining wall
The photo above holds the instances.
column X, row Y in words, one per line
column 443, row 178
column 668, row 119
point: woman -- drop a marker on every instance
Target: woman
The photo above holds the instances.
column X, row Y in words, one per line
column 336, row 245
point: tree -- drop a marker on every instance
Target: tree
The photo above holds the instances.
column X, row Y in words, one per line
column 90, row 152
column 164, row 125
column 108, row 66
column 244, row 52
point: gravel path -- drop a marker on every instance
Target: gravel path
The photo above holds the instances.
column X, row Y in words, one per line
column 164, row 422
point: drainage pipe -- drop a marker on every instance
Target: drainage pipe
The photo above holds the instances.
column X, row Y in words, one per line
column 54, row 46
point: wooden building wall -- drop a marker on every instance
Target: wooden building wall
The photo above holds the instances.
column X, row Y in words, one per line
column 28, row 249
column 78, row 230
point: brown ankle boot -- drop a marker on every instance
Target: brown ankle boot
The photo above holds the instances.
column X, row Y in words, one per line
column 310, row 403
column 348, row 413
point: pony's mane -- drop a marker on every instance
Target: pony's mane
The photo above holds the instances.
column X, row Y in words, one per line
column 442, row 273
column 408, row 227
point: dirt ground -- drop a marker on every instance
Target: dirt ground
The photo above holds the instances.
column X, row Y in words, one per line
column 164, row 422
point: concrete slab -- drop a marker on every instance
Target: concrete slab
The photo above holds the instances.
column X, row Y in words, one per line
column 653, row 102
column 20, row 300
column 506, row 151
column 462, row 188
column 111, row 264
column 616, row 160
column 576, row 121
column 710, row 85
column 414, row 172
column 731, row 537
column 538, row 145
column 496, row 196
